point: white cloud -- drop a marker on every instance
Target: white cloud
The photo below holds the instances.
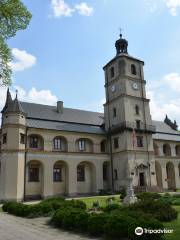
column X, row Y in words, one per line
column 173, row 81
column 63, row 9
column 33, row 95
column 22, row 60
column 84, row 9
column 60, row 8
column 173, row 5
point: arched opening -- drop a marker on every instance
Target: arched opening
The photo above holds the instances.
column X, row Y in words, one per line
column 158, row 174
column 177, row 149
column 34, row 180
column 36, row 142
column 170, row 176
column 86, row 178
column 133, row 69
column 60, row 144
column 156, row 149
column 60, row 178
column 167, row 150
column 84, row 145
column 103, row 146
column 106, row 175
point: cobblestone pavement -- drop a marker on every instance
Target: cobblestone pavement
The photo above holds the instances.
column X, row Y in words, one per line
column 16, row 228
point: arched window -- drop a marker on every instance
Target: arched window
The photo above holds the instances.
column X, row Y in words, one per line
column 60, row 144
column 57, row 173
column 57, row 143
column 137, row 109
column 36, row 142
column 167, row 149
column 103, row 146
column 133, row 69
column 112, row 72
column 177, row 148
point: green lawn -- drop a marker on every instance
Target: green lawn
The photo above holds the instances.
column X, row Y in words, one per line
column 175, row 225
column 101, row 199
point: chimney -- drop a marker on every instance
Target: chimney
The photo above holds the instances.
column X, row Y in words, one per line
column 60, row 107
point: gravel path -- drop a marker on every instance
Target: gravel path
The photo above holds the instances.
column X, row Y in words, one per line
column 16, row 228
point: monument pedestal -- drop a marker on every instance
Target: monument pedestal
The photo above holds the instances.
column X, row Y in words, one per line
column 130, row 196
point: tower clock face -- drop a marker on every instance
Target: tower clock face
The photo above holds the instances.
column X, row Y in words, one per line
column 135, row 86
column 113, row 88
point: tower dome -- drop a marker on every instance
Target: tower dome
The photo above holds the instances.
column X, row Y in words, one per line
column 121, row 45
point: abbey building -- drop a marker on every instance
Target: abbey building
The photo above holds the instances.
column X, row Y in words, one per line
column 53, row 150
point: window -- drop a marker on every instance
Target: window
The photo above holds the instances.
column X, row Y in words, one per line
column 115, row 174
column 22, row 138
column 112, row 72
column 33, row 174
column 105, row 172
column 81, row 173
column 4, row 138
column 139, row 141
column 116, row 143
column 57, row 176
column 57, row 143
column 82, row 145
column 133, row 69
column 138, row 124
column 137, row 109
column 103, row 146
column 33, row 142
column 114, row 112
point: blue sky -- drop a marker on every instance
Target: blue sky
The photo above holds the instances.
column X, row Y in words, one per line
column 61, row 53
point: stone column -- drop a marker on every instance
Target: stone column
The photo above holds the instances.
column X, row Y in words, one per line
column 173, row 150
column 47, row 179
column 164, row 176
column 98, row 177
column 160, row 147
column 72, row 179
column 177, row 177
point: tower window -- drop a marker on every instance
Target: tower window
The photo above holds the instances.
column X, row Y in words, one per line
column 139, row 141
column 116, row 143
column 112, row 72
column 115, row 174
column 133, row 69
column 22, row 138
column 4, row 138
column 114, row 112
column 137, row 109
column 138, row 124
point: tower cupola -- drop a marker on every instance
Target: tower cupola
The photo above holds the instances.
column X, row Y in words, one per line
column 121, row 45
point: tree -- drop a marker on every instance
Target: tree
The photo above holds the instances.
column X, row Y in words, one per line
column 14, row 16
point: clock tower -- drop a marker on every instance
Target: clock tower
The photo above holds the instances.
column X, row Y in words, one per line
column 128, row 120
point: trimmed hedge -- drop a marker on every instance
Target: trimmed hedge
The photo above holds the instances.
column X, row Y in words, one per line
column 148, row 196
column 162, row 211
column 44, row 208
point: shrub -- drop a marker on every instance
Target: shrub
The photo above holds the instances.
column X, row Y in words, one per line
column 76, row 204
column 17, row 209
column 57, row 217
column 176, row 201
column 96, row 223
column 148, row 196
column 112, row 207
column 81, row 221
column 160, row 210
column 69, row 218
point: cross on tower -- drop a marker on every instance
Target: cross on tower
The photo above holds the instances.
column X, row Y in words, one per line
column 120, row 29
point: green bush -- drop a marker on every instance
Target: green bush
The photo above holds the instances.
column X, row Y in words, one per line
column 148, row 196
column 112, row 207
column 17, row 209
column 58, row 217
column 116, row 226
column 81, row 221
column 160, row 210
column 176, row 201
column 96, row 223
column 76, row 204
column 69, row 218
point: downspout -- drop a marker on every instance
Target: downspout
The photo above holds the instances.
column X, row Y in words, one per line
column 25, row 162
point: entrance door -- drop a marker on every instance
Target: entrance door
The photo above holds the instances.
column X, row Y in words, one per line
column 141, row 179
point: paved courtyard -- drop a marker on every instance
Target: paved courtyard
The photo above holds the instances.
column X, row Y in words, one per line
column 15, row 228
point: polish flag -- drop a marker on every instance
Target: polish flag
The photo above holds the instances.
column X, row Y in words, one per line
column 133, row 138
